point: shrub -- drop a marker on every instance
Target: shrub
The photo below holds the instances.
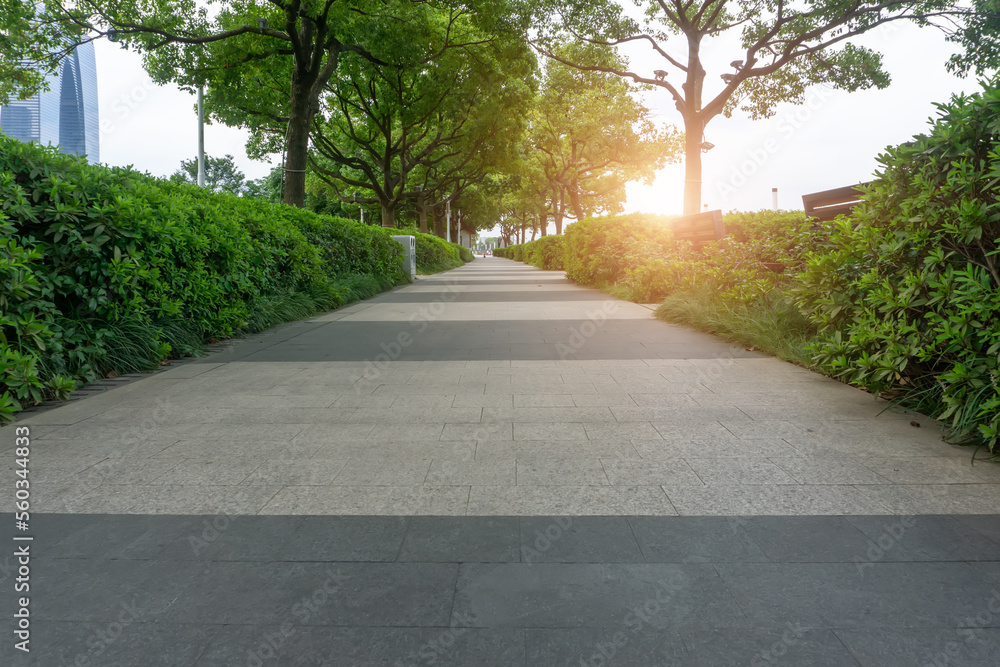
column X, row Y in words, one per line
column 545, row 253
column 108, row 270
column 599, row 251
column 907, row 290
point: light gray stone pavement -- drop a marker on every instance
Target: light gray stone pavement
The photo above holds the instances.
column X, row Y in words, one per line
column 494, row 389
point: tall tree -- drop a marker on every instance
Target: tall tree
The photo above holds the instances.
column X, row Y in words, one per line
column 784, row 47
column 184, row 43
column 221, row 174
column 592, row 135
column 453, row 86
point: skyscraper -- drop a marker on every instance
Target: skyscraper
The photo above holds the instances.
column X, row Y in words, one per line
column 66, row 114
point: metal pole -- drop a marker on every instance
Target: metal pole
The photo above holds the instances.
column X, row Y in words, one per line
column 201, row 136
column 447, row 220
column 774, row 198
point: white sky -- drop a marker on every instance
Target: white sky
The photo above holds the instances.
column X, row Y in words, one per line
column 832, row 142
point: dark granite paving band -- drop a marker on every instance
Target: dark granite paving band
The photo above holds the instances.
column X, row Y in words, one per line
column 389, row 590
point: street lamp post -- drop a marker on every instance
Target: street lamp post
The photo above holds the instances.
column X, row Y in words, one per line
column 201, row 136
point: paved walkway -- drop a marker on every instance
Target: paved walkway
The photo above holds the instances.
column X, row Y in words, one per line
column 496, row 467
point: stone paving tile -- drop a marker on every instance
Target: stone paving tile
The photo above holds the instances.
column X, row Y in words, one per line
column 484, row 401
column 201, row 472
column 397, row 432
column 602, row 400
column 369, row 500
column 631, row 430
column 935, row 498
column 549, row 431
column 375, row 472
column 567, row 647
column 549, row 415
column 491, row 472
column 461, row 540
column 542, row 400
column 671, row 472
column 684, row 539
column 593, row 595
column 784, row 499
column 555, row 449
column 902, row 647
column 171, row 499
column 688, row 429
column 569, row 500
column 757, row 429
column 736, row 471
column 561, row 472
column 325, row 645
column 487, row 430
column 873, row 446
column 828, row 470
column 591, row 539
column 236, row 449
column 888, row 595
column 811, row 539
column 280, row 472
column 377, row 594
column 924, row 470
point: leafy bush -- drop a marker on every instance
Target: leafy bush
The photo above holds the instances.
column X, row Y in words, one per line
column 600, row 251
column 108, row 270
column 907, row 291
column 503, row 252
column 434, row 254
column 545, row 253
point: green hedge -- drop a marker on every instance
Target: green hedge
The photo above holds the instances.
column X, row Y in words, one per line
column 545, row 253
column 109, row 271
column 600, row 251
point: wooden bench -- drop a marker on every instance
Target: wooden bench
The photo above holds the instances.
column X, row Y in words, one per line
column 827, row 205
column 700, row 228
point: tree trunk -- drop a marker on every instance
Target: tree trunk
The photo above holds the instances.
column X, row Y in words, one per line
column 557, row 210
column 574, row 199
column 543, row 222
column 422, row 212
column 297, row 144
column 694, row 130
column 438, row 222
column 389, row 215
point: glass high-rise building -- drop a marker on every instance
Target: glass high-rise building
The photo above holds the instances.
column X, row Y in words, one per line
column 65, row 115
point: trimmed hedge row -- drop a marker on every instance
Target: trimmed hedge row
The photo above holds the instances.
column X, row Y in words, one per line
column 109, row 271
column 545, row 253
